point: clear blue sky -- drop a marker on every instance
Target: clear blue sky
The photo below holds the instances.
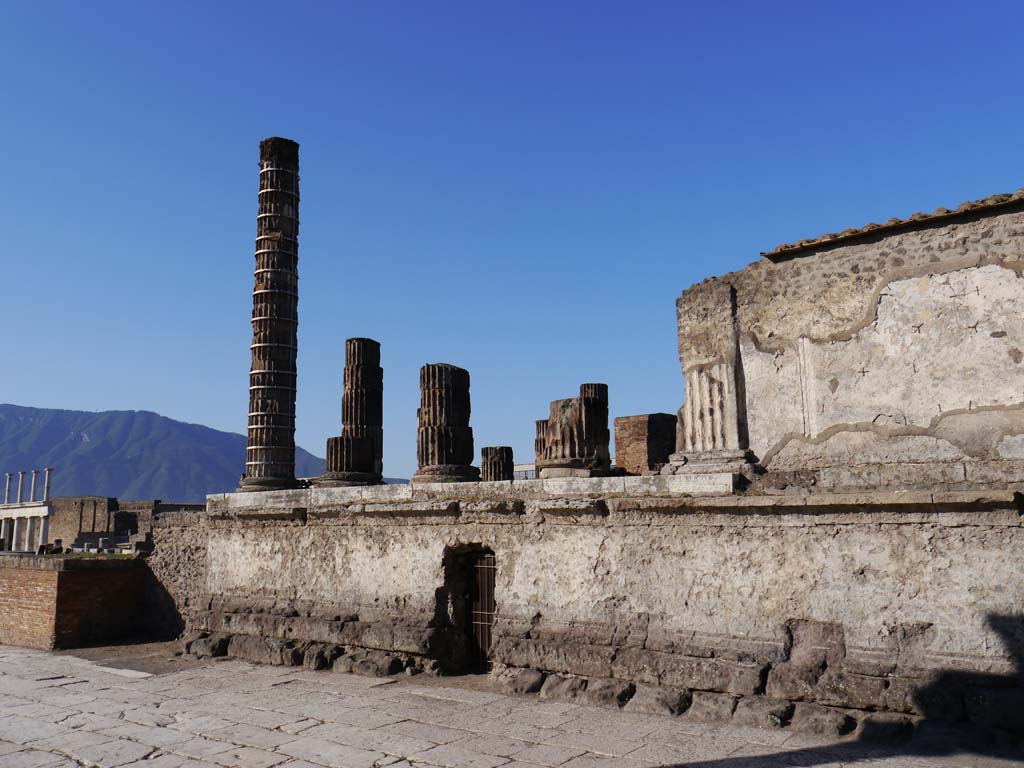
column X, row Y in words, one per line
column 521, row 189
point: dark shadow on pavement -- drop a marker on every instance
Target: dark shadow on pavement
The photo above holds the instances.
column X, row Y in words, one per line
column 963, row 713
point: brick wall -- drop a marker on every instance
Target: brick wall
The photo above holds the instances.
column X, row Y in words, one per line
column 49, row 602
column 95, row 606
column 644, row 442
column 28, row 600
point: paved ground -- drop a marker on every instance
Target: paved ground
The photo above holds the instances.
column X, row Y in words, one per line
column 64, row 711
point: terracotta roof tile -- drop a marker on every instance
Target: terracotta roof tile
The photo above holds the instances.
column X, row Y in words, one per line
column 990, row 202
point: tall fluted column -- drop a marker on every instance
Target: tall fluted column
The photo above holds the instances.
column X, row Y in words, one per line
column 496, row 463
column 270, row 452
column 32, row 487
column 7, row 488
column 46, row 483
column 356, row 456
column 21, row 487
column 444, row 444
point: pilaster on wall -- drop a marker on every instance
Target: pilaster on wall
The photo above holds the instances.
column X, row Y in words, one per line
column 711, row 430
column 708, row 418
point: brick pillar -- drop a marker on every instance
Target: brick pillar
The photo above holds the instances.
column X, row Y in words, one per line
column 270, row 452
column 356, row 456
column 496, row 463
column 444, row 444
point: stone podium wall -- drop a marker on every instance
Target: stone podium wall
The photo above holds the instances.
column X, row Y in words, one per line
column 887, row 357
column 897, row 602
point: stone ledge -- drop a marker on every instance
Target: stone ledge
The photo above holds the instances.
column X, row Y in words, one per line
column 645, row 495
column 58, row 563
column 715, row 489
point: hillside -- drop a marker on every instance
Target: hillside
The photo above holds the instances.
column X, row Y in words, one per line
column 127, row 454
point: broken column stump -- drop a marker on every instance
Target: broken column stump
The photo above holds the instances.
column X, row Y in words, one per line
column 355, row 457
column 573, row 440
column 444, row 441
column 496, row 463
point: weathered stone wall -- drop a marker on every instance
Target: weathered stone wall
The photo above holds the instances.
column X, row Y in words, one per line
column 898, row 602
column 71, row 515
column 886, row 361
column 176, row 581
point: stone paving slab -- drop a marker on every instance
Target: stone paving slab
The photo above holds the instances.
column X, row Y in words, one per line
column 61, row 711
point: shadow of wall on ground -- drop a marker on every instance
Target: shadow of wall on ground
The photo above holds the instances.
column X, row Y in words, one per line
column 961, row 713
column 162, row 619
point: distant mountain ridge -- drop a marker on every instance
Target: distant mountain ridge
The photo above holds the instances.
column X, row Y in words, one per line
column 127, row 454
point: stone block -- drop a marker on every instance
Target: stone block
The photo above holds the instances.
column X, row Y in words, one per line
column 190, row 637
column 885, row 727
column 759, row 712
column 788, row 681
column 265, row 650
column 711, row 484
column 644, row 443
column 575, row 486
column 821, row 721
column 378, row 664
column 649, row 485
column 321, row 656
column 519, row 681
column 566, row 657
column 837, row 688
column 607, row 692
column 676, row 671
column 210, row 646
column 412, row 638
column 654, row 700
column 559, row 688
column 896, row 475
column 708, row 707
column 360, row 661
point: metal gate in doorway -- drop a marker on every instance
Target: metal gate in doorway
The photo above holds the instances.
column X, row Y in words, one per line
column 481, row 609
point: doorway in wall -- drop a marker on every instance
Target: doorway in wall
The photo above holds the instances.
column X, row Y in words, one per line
column 466, row 609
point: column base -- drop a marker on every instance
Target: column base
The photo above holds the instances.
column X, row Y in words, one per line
column 267, row 484
column 549, row 473
column 447, row 473
column 346, row 479
column 738, row 464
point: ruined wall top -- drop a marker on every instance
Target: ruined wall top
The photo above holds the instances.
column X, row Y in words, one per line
column 885, row 359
